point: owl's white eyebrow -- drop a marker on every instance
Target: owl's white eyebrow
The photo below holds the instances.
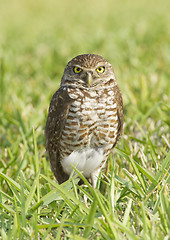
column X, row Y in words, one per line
column 78, row 66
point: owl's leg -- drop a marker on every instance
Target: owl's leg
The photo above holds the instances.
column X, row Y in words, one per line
column 94, row 177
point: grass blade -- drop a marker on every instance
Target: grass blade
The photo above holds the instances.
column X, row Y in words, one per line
column 90, row 219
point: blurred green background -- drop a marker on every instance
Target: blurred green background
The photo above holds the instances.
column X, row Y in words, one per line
column 38, row 38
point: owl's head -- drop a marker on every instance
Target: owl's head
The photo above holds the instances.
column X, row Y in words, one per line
column 87, row 70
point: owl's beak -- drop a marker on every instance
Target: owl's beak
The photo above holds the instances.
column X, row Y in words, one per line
column 89, row 78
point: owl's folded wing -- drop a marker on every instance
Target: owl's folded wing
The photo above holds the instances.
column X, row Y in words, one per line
column 57, row 116
column 119, row 102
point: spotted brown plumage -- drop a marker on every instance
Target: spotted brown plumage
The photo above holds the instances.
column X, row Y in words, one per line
column 85, row 119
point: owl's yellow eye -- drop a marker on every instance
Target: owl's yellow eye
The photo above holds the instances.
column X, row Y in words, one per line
column 77, row 69
column 100, row 69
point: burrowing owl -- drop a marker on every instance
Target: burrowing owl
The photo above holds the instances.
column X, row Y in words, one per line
column 85, row 119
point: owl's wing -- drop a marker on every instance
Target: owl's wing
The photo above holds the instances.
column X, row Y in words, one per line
column 57, row 116
column 119, row 102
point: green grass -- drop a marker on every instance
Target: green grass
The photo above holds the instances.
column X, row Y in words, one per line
column 37, row 38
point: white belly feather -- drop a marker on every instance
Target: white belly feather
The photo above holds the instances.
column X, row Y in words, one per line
column 86, row 161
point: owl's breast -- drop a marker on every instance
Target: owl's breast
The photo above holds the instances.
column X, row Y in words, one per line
column 91, row 121
column 106, row 125
column 75, row 134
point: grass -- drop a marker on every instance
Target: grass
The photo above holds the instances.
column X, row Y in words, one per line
column 36, row 41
